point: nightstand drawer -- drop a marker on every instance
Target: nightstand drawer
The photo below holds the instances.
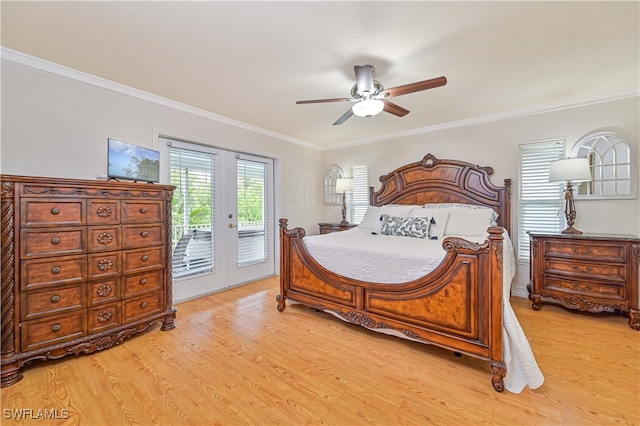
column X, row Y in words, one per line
column 584, row 288
column 590, row 270
column 574, row 250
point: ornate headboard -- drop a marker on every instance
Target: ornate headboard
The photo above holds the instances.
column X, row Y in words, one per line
column 444, row 181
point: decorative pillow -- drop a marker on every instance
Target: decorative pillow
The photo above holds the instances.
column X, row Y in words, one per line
column 437, row 223
column 370, row 218
column 398, row 210
column 416, row 227
column 494, row 215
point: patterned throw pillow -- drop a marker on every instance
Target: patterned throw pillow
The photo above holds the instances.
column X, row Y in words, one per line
column 416, row 227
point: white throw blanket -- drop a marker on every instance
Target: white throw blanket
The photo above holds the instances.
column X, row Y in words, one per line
column 357, row 254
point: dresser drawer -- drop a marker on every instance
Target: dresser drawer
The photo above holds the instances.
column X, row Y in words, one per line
column 583, row 250
column 563, row 286
column 103, row 212
column 142, row 211
column 55, row 301
column 104, row 265
column 38, row 273
column 141, row 306
column 586, row 269
column 103, row 317
column 52, row 330
column 103, row 292
column 142, row 235
column 143, row 283
column 143, row 259
column 52, row 212
column 49, row 241
column 103, row 238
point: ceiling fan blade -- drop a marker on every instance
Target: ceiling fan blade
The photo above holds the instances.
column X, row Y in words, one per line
column 317, row 101
column 414, row 87
column 364, row 79
column 344, row 117
column 394, row 109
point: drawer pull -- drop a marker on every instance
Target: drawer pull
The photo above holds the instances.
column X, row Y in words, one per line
column 56, row 270
column 55, row 298
column 144, row 234
column 578, row 250
column 103, row 211
column 588, row 269
column 55, row 210
column 145, row 258
column 143, row 210
column 143, row 305
column 56, row 328
column 143, row 281
column 55, row 240
column 104, row 290
column 105, row 238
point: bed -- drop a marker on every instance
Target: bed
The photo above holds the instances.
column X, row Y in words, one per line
column 459, row 301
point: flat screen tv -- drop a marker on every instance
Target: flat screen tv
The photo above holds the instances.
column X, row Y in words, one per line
column 132, row 162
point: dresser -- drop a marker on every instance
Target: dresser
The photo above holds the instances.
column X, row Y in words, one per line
column 587, row 272
column 327, row 228
column 85, row 265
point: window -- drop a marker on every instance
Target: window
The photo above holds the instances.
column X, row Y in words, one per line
column 540, row 202
column 358, row 200
column 253, row 220
column 330, row 178
column 192, row 174
column 612, row 170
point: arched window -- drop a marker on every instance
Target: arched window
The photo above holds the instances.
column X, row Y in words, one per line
column 330, row 177
column 612, row 166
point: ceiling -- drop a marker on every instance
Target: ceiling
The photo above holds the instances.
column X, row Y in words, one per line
column 251, row 61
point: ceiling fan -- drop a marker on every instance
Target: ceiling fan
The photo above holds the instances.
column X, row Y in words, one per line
column 371, row 98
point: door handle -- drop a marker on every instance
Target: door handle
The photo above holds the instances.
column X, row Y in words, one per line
column 231, row 225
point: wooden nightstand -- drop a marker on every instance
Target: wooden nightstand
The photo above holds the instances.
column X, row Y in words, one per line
column 587, row 272
column 326, row 228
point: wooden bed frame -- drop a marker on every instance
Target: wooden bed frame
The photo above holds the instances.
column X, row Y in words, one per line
column 426, row 309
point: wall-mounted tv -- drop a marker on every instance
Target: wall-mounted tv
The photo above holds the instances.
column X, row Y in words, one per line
column 132, row 162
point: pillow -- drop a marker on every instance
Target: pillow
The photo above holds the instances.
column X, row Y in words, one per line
column 494, row 215
column 416, row 227
column 398, row 210
column 468, row 221
column 437, row 223
column 371, row 217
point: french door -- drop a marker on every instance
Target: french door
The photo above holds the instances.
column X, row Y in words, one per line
column 223, row 217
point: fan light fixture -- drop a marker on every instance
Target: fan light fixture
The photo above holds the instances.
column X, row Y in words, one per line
column 368, row 107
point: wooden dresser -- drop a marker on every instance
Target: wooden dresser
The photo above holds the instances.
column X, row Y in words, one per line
column 327, row 228
column 85, row 265
column 588, row 272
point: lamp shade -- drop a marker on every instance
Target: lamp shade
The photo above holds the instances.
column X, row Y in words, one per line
column 573, row 169
column 344, row 184
column 368, row 107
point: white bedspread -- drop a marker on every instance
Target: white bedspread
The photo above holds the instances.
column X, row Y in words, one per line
column 391, row 259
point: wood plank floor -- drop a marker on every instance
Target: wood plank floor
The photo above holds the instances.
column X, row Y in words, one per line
column 234, row 359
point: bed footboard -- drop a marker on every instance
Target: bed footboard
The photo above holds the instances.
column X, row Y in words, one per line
column 458, row 306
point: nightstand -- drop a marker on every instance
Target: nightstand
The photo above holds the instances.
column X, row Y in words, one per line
column 327, row 228
column 587, row 272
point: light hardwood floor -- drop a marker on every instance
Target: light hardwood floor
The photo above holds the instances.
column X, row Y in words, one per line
column 234, row 359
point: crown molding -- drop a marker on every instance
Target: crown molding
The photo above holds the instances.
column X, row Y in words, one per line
column 491, row 118
column 61, row 70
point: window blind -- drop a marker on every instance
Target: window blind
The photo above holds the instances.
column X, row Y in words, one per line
column 540, row 202
column 359, row 198
column 192, row 174
column 253, row 241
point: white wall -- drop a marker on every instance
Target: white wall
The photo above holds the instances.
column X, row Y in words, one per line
column 57, row 126
column 495, row 144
